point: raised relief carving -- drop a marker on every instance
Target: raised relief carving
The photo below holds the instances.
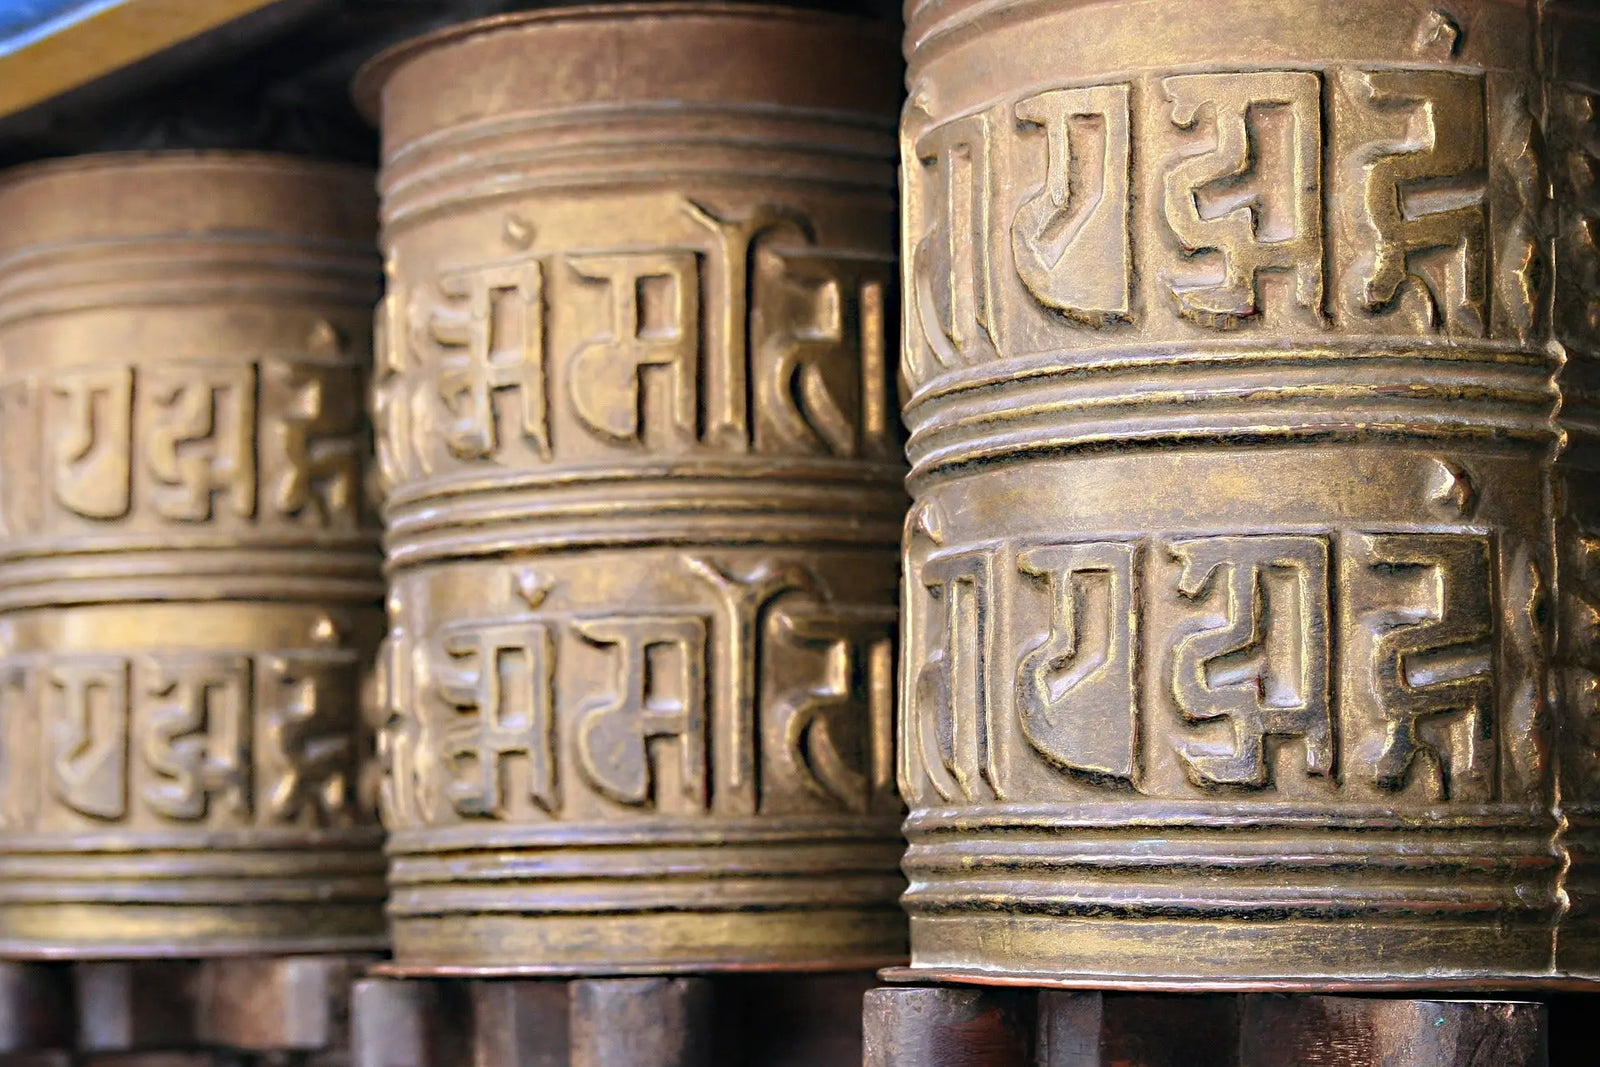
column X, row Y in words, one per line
column 744, row 601
column 193, row 719
column 91, row 454
column 490, row 332
column 1248, row 200
column 953, row 263
column 858, row 678
column 501, row 673
column 1578, row 663
column 400, row 454
column 315, row 431
column 1258, row 657
column 952, row 690
column 395, row 708
column 1071, row 239
column 306, row 755
column 651, row 332
column 1077, row 693
column 822, row 382
column 657, row 691
column 85, row 710
column 1417, row 144
column 736, row 240
column 1575, row 136
column 1433, row 674
column 199, row 427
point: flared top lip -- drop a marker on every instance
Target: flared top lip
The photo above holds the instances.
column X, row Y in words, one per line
column 367, row 88
column 236, row 159
column 147, row 194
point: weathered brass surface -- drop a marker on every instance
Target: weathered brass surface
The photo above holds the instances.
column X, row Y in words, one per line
column 189, row 580
column 635, row 427
column 1232, row 572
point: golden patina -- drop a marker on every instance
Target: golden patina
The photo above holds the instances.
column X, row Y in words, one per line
column 636, row 432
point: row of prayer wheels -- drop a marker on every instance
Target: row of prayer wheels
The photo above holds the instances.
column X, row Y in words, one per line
column 1245, row 624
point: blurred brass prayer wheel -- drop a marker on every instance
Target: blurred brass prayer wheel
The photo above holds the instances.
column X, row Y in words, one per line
column 189, row 581
column 1232, row 577
column 636, row 431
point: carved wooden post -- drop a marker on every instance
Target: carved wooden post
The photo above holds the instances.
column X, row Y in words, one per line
column 1571, row 48
column 642, row 480
column 1368, row 1032
column 188, row 580
column 931, row 1027
column 1231, row 569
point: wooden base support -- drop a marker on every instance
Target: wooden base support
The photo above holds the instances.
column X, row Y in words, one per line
column 243, row 1012
column 941, row 1026
column 733, row 1021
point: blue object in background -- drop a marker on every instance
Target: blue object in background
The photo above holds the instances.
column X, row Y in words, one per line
column 24, row 21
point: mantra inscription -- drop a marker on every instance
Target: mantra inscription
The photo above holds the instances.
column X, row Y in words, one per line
column 278, row 442
column 1234, row 636
column 752, row 340
column 764, row 694
column 229, row 739
column 643, row 487
column 1295, row 201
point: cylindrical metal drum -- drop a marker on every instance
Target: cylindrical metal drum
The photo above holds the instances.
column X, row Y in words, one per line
column 1231, row 580
column 635, row 426
column 189, row 580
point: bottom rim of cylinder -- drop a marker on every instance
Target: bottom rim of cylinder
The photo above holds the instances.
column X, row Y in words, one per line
column 87, row 931
column 1180, row 983
column 671, row 942
column 1286, row 956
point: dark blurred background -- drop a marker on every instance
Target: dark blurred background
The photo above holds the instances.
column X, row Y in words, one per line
column 275, row 79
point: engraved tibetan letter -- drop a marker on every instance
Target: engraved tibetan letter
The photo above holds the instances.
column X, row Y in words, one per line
column 504, row 673
column 1258, row 657
column 307, row 754
column 1432, row 664
column 92, row 450
column 1251, row 200
column 201, row 421
column 744, row 599
column 1417, row 138
column 823, row 384
column 492, row 335
column 658, row 689
column 951, row 700
column 86, row 716
column 727, row 367
column 317, row 440
column 652, row 302
column 953, row 264
column 1076, row 692
column 194, row 718
column 1071, row 239
column 855, row 700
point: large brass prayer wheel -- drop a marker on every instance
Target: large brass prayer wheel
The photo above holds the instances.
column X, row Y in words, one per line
column 189, row 580
column 1240, row 523
column 636, row 431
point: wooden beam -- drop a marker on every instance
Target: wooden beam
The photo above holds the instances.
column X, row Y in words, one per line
column 105, row 40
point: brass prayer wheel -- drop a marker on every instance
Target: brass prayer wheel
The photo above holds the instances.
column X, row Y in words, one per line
column 190, row 585
column 643, row 492
column 1232, row 570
